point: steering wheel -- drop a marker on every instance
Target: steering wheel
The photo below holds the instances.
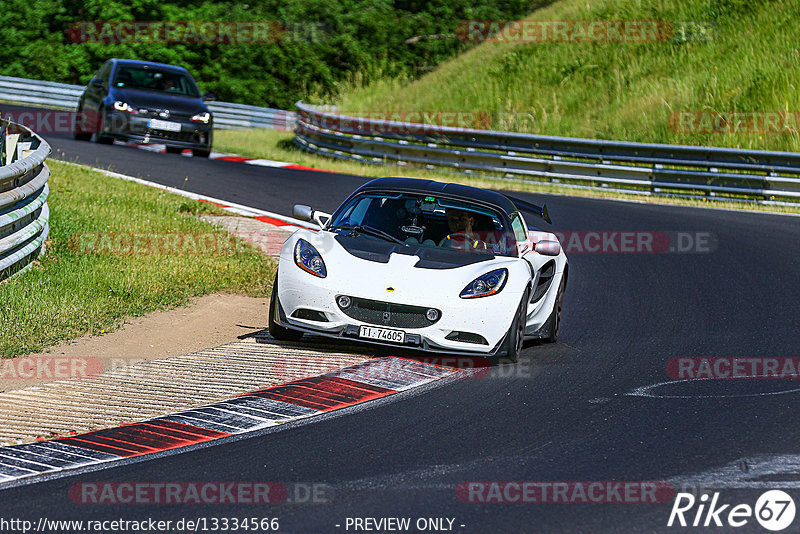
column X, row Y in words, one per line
column 463, row 241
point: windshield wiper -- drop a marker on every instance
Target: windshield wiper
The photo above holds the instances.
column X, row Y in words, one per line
column 369, row 230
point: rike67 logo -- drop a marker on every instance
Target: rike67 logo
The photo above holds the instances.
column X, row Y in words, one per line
column 774, row 510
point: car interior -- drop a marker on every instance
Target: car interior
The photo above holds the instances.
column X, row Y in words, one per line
column 411, row 221
column 151, row 80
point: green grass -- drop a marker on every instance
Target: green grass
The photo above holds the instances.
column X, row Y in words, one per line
column 275, row 145
column 623, row 91
column 70, row 293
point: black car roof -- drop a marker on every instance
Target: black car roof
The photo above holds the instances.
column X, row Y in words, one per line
column 416, row 185
column 140, row 63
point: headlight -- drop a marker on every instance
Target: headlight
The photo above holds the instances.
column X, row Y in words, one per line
column 307, row 258
column 485, row 285
column 202, row 117
column 119, row 105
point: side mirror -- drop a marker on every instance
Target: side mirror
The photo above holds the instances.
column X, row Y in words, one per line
column 548, row 248
column 302, row 212
column 209, row 97
column 97, row 82
column 305, row 213
column 322, row 218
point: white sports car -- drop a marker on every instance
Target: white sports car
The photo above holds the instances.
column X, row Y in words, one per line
column 439, row 267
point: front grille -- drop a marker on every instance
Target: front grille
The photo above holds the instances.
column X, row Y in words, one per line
column 388, row 313
column 180, row 116
column 188, row 137
column 156, row 114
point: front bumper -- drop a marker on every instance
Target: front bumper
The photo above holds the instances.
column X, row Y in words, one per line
column 413, row 341
column 303, row 297
column 130, row 127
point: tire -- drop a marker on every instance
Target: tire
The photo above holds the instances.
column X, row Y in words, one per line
column 277, row 331
column 201, row 153
column 516, row 333
column 98, row 136
column 174, row 150
column 553, row 324
column 77, row 127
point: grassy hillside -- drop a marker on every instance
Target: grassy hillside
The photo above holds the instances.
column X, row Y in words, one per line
column 748, row 62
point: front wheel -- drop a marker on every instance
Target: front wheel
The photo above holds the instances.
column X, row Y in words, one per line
column 174, row 150
column 553, row 324
column 198, row 153
column 516, row 334
column 79, row 126
column 104, row 126
column 277, row 331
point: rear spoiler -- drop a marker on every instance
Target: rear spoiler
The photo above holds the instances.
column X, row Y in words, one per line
column 539, row 211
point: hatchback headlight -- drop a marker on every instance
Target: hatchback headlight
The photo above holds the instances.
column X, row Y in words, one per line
column 119, row 105
column 485, row 285
column 202, row 117
column 307, row 258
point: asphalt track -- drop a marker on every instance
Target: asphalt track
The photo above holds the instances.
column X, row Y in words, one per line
column 563, row 414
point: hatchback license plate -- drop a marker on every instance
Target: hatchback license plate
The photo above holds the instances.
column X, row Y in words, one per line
column 157, row 124
column 383, row 334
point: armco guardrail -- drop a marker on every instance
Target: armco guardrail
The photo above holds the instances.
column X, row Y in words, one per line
column 230, row 115
column 651, row 168
column 64, row 96
column 24, row 214
column 39, row 93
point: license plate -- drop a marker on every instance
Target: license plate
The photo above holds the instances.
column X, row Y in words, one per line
column 156, row 124
column 383, row 334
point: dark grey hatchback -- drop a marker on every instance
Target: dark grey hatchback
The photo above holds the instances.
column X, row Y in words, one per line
column 145, row 102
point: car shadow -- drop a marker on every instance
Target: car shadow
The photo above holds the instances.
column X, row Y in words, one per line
column 331, row 345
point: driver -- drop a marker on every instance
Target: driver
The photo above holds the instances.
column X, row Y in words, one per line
column 166, row 84
column 461, row 235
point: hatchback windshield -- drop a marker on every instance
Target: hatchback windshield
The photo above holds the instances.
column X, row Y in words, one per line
column 149, row 79
column 429, row 221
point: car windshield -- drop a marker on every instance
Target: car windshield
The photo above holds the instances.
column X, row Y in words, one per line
column 150, row 79
column 424, row 220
